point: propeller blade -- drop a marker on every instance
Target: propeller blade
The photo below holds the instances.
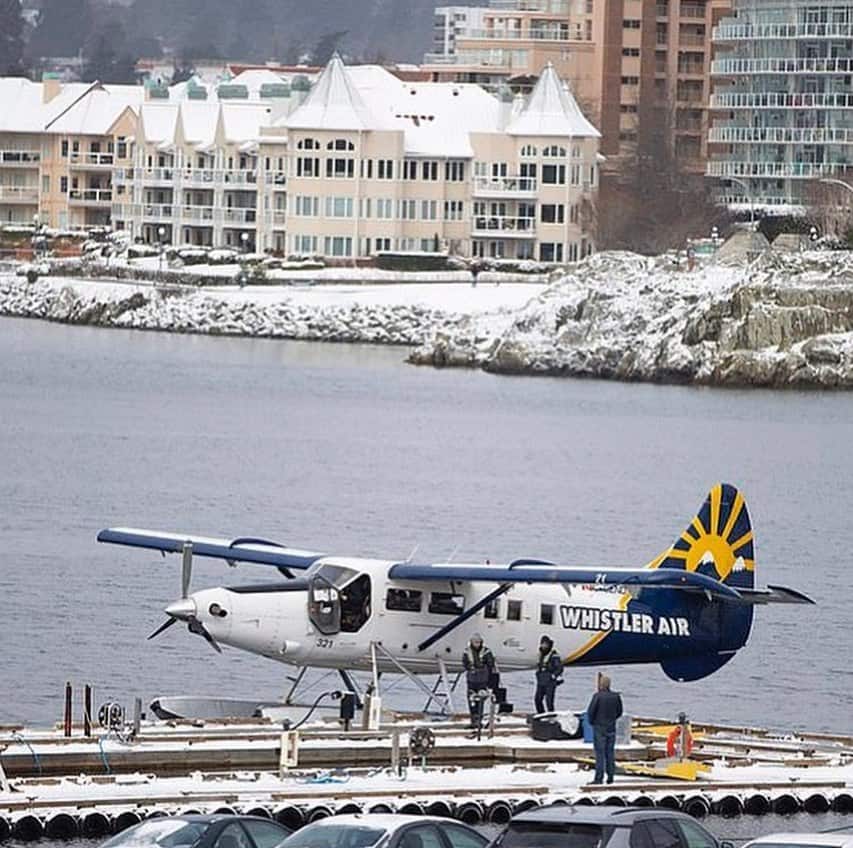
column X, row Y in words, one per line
column 195, row 626
column 164, row 626
column 186, row 568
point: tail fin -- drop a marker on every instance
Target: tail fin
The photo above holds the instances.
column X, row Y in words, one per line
column 718, row 543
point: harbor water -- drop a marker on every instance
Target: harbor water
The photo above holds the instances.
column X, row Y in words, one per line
column 347, row 449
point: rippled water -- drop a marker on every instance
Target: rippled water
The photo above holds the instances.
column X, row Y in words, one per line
column 347, row 449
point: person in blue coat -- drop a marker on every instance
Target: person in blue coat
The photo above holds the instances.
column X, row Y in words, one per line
column 602, row 712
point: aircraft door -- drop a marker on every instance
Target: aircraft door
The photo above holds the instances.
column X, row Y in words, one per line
column 356, row 605
column 324, row 605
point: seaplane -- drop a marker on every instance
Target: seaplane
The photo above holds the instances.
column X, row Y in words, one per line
column 690, row 609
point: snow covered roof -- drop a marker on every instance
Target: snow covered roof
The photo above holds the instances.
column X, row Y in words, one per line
column 22, row 108
column 333, row 103
column 198, row 122
column 551, row 110
column 96, row 110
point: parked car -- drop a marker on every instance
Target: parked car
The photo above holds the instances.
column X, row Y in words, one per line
column 385, row 830
column 197, row 831
column 605, row 827
column 839, row 839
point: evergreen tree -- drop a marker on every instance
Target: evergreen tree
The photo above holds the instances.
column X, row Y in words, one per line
column 106, row 57
column 326, row 45
column 63, row 28
column 11, row 38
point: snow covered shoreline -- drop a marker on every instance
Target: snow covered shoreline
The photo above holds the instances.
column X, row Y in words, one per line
column 785, row 320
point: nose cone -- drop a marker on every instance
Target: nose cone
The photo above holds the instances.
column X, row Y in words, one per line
column 183, row 610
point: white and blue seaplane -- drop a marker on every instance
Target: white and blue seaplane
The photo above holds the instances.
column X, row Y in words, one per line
column 690, row 609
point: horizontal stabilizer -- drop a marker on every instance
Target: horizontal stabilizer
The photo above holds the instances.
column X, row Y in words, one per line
column 237, row 550
column 774, row 595
column 641, row 578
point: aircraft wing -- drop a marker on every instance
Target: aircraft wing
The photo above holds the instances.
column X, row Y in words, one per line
column 525, row 571
column 245, row 549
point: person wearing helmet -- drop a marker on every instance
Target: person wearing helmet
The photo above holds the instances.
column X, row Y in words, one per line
column 549, row 675
column 479, row 664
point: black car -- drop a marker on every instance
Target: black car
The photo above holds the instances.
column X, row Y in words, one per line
column 196, row 831
column 605, row 827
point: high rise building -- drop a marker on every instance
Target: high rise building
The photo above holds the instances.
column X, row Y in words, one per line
column 782, row 103
column 637, row 66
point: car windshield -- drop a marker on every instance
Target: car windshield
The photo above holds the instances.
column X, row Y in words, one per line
column 542, row 835
column 334, row 836
column 166, row 833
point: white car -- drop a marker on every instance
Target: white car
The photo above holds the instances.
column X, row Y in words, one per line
column 381, row 830
column 839, row 839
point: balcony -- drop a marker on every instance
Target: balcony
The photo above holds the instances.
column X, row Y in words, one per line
column 777, row 170
column 20, row 158
column 238, row 216
column 197, row 214
column 694, row 11
column 781, row 101
column 91, row 161
column 122, row 176
column 19, row 194
column 753, row 32
column 504, row 187
column 277, row 179
column 275, row 217
column 493, row 226
column 240, row 178
column 200, row 178
column 90, row 196
column 751, row 67
column 156, row 211
column 538, row 34
column 156, row 176
column 779, row 135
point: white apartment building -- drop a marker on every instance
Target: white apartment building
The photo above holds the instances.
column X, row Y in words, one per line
column 782, row 103
column 359, row 163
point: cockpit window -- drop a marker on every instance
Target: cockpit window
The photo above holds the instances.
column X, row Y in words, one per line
column 339, row 599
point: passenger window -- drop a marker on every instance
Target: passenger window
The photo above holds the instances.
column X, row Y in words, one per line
column 546, row 614
column 232, row 837
column 355, row 604
column 663, row 833
column 458, row 837
column 403, row 600
column 513, row 611
column 420, row 836
column 264, row 834
column 492, row 609
column 445, row 603
column 696, row 836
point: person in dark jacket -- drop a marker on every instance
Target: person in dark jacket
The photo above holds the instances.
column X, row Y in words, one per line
column 549, row 675
column 602, row 712
column 479, row 664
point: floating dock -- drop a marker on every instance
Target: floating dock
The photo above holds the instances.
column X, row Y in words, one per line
column 65, row 787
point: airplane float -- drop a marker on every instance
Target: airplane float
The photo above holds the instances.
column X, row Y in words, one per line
column 689, row 609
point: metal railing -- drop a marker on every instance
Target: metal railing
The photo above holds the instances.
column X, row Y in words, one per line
column 783, row 170
column 19, row 194
column 25, row 158
column 504, row 224
column 752, row 32
column 504, row 185
column 774, row 100
column 87, row 196
column 91, row 160
column 780, row 135
column 806, row 65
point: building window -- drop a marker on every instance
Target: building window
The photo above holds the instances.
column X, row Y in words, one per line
column 307, row 166
column 546, row 614
column 555, row 152
column 404, row 600
column 63, row 185
column 340, row 168
column 630, row 23
column 554, row 174
column 382, row 244
column 429, row 171
column 553, row 213
column 453, row 210
column 410, row 170
column 385, row 169
column 306, row 206
column 304, row 244
column 550, row 252
column 492, row 609
column 408, row 210
column 454, row 172
column 64, row 148
column 338, row 207
column 340, row 144
column 528, row 151
column 366, row 169
column 429, row 211
column 385, row 208
column 308, row 144
column 338, row 246
column 513, row 611
column 630, row 80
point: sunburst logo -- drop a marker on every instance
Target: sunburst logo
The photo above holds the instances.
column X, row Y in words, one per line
column 718, row 541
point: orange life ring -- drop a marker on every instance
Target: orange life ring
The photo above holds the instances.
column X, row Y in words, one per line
column 673, row 742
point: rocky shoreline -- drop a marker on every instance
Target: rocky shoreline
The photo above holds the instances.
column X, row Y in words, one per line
column 785, row 320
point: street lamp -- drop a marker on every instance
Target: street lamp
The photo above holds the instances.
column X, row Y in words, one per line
column 244, row 238
column 715, row 238
column 814, row 235
column 748, row 191
column 161, row 233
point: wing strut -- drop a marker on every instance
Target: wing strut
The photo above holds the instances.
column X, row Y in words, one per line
column 464, row 616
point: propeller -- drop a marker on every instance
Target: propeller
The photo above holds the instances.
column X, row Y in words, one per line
column 185, row 609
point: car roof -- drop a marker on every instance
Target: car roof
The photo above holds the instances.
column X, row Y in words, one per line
column 387, row 821
column 586, row 814
column 210, row 818
column 836, row 840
